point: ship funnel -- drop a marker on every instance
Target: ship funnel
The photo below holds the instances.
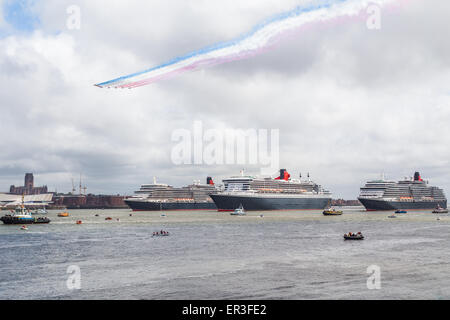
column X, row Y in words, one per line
column 284, row 175
column 417, row 177
column 209, row 181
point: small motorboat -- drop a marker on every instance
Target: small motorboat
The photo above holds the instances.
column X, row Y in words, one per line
column 108, row 219
column 161, row 234
column 401, row 211
column 239, row 211
column 392, row 216
column 439, row 209
column 64, row 214
column 79, row 222
column 39, row 211
column 353, row 236
column 332, row 212
column 24, row 228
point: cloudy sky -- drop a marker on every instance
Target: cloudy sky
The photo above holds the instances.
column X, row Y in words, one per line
column 349, row 102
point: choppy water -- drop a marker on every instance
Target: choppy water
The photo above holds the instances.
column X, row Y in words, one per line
column 211, row 255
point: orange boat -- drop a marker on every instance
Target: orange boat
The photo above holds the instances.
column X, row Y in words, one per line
column 63, row 214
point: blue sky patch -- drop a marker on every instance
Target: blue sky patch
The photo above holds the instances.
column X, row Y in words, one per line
column 21, row 15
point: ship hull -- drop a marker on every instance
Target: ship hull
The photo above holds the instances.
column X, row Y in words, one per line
column 14, row 220
column 383, row 205
column 265, row 203
column 168, row 206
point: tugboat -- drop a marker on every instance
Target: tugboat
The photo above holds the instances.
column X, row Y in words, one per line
column 22, row 216
column 439, row 209
column 332, row 212
column 353, row 236
column 239, row 211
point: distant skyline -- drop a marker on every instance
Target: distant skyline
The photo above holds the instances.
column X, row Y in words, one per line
column 350, row 103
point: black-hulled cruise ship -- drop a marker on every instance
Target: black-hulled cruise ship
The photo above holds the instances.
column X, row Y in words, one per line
column 158, row 197
column 282, row 193
column 410, row 193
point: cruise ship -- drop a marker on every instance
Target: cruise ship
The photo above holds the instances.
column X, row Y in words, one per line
column 413, row 193
column 158, row 197
column 281, row 193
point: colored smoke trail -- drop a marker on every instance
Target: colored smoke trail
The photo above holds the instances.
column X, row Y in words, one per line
column 259, row 39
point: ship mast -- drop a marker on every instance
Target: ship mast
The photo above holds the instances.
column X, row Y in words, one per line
column 73, row 187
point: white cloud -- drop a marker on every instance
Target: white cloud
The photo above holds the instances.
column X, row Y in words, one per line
column 349, row 102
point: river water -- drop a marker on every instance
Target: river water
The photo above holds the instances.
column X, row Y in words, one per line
column 211, row 255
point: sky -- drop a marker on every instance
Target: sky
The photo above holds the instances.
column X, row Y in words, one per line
column 350, row 103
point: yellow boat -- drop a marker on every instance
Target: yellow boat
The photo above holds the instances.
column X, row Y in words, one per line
column 63, row 214
column 332, row 212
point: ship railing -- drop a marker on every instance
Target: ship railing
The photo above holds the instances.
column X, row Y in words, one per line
column 228, row 192
column 403, row 199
